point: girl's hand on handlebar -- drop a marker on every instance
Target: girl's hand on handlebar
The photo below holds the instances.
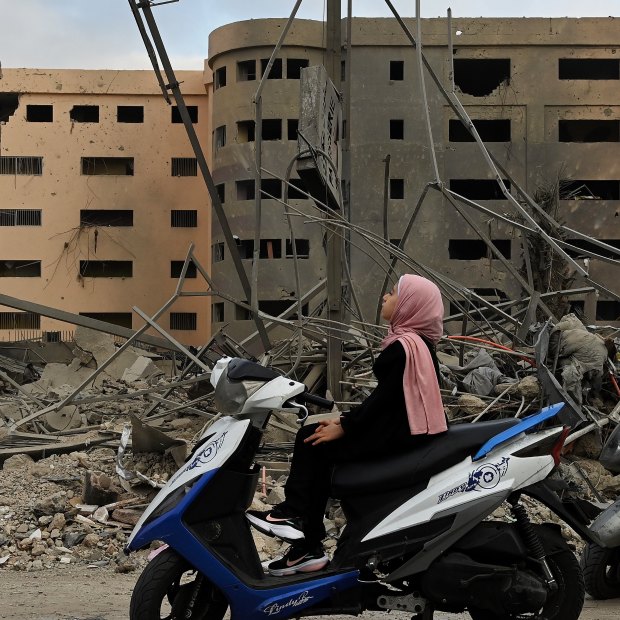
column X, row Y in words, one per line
column 328, row 430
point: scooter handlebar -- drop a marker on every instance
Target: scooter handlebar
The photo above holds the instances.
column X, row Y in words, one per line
column 318, row 400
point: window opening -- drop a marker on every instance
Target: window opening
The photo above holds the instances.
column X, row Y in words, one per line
column 122, row 319
column 217, row 252
column 481, row 76
column 273, row 187
column 397, row 189
column 221, row 192
column 476, row 249
column 106, row 268
column 272, row 129
column 107, row 166
column 588, row 69
column 607, row 310
column 39, row 113
column 106, row 217
column 176, row 266
column 245, row 131
column 242, row 314
column 395, row 242
column 245, row 189
column 302, row 247
column 84, row 114
column 184, row 218
column 589, row 247
column 270, row 248
column 397, row 129
column 294, row 67
column 276, row 68
column 296, row 190
column 496, row 130
column 192, row 110
column 343, row 70
column 130, row 114
column 578, row 307
column 479, row 189
column 217, row 312
column 589, row 131
column 20, row 320
column 20, row 268
column 9, row 102
column 246, row 71
column 589, row 189
column 220, row 137
column 184, row 167
column 183, row 321
column 397, row 70
column 292, row 125
column 220, row 78
column 20, row 217
column 245, row 248
column 27, row 166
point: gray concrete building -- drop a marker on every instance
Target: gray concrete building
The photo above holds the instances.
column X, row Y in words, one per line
column 544, row 94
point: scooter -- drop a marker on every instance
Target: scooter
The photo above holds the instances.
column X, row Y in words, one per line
column 416, row 538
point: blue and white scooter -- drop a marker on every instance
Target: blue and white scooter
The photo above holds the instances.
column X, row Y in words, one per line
column 416, row 538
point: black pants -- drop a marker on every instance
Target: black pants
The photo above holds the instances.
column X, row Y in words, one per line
column 309, row 483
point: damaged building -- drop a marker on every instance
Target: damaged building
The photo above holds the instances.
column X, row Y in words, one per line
column 96, row 172
column 542, row 94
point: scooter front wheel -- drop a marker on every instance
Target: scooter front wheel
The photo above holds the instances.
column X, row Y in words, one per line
column 170, row 589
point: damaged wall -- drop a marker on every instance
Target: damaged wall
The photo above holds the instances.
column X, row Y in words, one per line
column 72, row 119
column 529, row 93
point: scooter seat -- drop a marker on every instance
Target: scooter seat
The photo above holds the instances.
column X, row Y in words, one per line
column 419, row 464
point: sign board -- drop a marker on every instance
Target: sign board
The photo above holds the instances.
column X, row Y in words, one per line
column 320, row 128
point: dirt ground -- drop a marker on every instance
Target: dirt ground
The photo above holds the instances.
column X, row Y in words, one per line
column 78, row 593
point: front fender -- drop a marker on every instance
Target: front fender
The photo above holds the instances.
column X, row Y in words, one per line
column 569, row 513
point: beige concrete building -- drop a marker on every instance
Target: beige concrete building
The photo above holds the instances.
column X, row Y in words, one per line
column 543, row 93
column 100, row 198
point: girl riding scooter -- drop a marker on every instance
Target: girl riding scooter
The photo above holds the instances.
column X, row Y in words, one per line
column 404, row 411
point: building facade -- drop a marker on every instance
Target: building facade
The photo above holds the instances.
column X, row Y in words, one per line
column 543, row 93
column 100, row 199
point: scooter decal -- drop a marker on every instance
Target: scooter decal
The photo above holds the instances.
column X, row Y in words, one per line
column 485, row 477
column 276, row 608
column 207, row 453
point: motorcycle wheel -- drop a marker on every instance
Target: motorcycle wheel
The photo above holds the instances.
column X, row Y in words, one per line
column 166, row 587
column 601, row 571
column 563, row 604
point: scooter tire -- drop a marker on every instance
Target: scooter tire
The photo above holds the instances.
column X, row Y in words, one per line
column 565, row 604
column 601, row 571
column 160, row 581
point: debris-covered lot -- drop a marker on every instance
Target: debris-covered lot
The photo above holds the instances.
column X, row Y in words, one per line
column 76, row 477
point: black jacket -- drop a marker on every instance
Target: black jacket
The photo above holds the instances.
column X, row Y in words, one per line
column 380, row 423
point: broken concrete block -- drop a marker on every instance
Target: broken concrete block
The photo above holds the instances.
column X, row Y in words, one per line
column 275, row 496
column 126, row 515
column 143, row 368
column 17, row 461
column 98, row 489
column 64, row 419
column 529, row 387
column 470, row 404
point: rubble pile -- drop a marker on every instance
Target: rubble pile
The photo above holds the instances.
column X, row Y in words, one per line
column 86, row 444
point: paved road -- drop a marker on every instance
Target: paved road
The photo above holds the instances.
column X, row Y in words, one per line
column 76, row 593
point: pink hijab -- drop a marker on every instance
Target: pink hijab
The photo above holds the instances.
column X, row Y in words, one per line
column 419, row 312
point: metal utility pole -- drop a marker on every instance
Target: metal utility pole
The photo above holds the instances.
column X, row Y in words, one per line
column 335, row 313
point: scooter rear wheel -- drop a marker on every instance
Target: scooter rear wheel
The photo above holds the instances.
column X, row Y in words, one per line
column 563, row 604
column 601, row 571
column 169, row 589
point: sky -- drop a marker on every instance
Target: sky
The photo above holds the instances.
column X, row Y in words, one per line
column 102, row 34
